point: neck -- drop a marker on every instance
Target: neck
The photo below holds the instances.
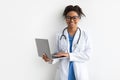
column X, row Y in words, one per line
column 72, row 30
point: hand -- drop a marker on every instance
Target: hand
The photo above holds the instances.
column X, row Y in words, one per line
column 61, row 54
column 45, row 58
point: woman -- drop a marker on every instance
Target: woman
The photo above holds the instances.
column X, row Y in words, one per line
column 72, row 43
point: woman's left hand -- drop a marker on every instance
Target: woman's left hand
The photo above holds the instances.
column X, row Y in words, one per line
column 62, row 54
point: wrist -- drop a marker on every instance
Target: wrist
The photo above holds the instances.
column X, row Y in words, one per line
column 67, row 54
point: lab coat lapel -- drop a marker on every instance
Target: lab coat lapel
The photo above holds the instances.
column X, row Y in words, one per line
column 66, row 34
column 76, row 36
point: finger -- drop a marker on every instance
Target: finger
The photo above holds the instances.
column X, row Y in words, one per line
column 44, row 57
column 57, row 55
column 43, row 54
column 47, row 60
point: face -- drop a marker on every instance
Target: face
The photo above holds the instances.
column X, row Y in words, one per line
column 72, row 19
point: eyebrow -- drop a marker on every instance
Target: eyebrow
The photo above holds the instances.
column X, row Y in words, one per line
column 72, row 16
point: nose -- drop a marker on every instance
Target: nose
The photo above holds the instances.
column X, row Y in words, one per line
column 71, row 20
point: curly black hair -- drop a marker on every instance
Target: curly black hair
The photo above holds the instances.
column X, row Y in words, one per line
column 75, row 8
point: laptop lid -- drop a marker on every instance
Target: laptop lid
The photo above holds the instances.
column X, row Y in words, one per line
column 43, row 47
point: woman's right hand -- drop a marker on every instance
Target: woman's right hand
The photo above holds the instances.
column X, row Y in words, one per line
column 45, row 58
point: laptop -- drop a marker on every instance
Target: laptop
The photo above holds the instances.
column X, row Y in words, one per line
column 43, row 47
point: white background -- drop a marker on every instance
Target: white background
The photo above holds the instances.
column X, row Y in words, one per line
column 21, row 21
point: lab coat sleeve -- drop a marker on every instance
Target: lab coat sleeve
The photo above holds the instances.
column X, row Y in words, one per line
column 84, row 55
column 56, row 49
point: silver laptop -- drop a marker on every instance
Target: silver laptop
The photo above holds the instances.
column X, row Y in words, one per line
column 43, row 47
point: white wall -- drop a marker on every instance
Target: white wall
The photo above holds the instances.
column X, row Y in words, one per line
column 21, row 21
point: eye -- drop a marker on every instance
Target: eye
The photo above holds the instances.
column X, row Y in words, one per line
column 68, row 17
column 75, row 17
column 72, row 17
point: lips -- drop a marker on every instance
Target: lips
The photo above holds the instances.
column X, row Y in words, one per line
column 71, row 23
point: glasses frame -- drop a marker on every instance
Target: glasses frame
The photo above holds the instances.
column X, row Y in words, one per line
column 68, row 18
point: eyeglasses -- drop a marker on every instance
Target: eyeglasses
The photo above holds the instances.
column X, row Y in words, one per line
column 68, row 18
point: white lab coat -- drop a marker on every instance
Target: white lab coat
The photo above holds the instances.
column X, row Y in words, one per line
column 79, row 56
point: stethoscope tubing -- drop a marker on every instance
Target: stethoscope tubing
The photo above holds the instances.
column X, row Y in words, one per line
column 65, row 36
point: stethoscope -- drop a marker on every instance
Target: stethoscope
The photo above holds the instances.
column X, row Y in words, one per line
column 65, row 36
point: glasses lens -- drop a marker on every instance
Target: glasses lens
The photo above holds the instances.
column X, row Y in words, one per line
column 74, row 17
column 68, row 17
